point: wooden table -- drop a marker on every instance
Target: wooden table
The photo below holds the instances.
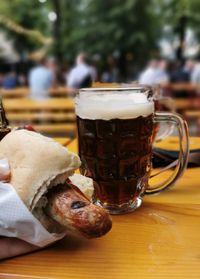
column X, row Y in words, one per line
column 159, row 240
column 49, row 116
column 63, row 141
column 35, row 105
column 21, row 92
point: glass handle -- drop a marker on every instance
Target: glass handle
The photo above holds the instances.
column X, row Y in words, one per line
column 182, row 127
column 165, row 104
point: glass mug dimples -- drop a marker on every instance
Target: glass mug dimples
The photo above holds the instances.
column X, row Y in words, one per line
column 115, row 136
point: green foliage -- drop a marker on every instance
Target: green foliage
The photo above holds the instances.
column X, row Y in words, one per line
column 100, row 26
column 28, row 14
column 175, row 9
column 94, row 26
column 107, row 26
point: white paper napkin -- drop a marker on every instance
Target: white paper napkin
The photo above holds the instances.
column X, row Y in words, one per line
column 17, row 221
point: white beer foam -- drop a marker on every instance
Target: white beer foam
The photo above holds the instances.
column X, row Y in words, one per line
column 106, row 105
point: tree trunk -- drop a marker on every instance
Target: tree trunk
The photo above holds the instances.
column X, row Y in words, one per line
column 57, row 30
column 182, row 30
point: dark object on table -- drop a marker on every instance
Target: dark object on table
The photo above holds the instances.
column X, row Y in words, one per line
column 162, row 157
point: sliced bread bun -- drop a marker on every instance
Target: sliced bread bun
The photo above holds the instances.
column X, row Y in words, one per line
column 36, row 163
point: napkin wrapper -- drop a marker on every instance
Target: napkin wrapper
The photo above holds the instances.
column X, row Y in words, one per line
column 17, row 221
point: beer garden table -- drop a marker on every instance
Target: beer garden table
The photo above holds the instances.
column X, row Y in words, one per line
column 161, row 239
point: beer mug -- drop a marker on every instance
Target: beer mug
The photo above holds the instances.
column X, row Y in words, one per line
column 163, row 130
column 115, row 137
column 162, row 103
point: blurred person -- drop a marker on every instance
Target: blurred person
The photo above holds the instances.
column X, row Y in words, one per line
column 195, row 75
column 149, row 75
column 21, row 80
column 9, row 81
column 66, row 70
column 53, row 66
column 94, row 72
column 161, row 73
column 155, row 73
column 111, row 71
column 41, row 78
column 1, row 79
column 81, row 74
column 106, row 76
column 182, row 73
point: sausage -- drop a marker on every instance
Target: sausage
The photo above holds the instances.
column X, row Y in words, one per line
column 68, row 206
column 71, row 209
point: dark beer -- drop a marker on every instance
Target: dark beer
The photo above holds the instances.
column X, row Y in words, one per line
column 115, row 140
column 115, row 135
column 116, row 153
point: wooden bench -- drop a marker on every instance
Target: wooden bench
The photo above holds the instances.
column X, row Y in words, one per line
column 193, row 116
column 105, row 84
column 23, row 92
column 62, row 91
column 184, row 104
column 41, row 116
column 56, row 104
column 64, row 141
column 181, row 90
column 55, row 128
column 53, row 117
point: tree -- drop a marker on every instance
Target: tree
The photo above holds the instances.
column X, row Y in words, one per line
column 128, row 28
column 27, row 15
column 180, row 15
column 115, row 25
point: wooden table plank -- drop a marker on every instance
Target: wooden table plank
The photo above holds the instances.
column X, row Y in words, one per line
column 63, row 141
column 55, row 128
column 41, row 116
column 47, row 104
column 172, row 143
column 160, row 240
column 21, row 92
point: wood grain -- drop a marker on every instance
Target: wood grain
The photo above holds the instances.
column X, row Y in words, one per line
column 63, row 141
column 172, row 143
column 22, row 92
column 159, row 240
column 38, row 116
column 49, row 116
column 38, row 105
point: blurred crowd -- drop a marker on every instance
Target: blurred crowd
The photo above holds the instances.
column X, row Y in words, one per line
column 161, row 71
column 47, row 73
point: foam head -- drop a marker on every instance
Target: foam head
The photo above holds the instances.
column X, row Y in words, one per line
column 114, row 104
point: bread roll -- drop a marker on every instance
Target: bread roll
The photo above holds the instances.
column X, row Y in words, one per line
column 35, row 161
column 37, row 164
